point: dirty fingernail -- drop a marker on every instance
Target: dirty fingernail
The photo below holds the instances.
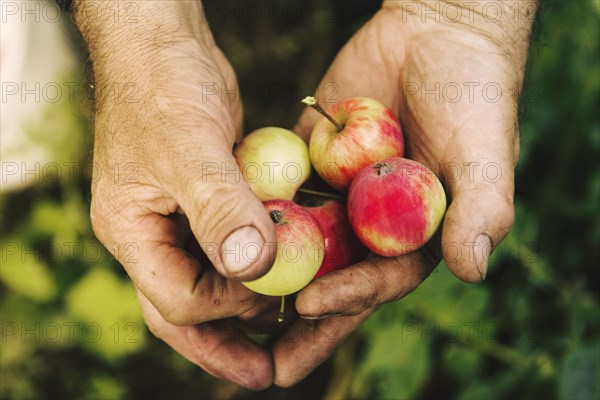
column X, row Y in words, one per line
column 235, row 250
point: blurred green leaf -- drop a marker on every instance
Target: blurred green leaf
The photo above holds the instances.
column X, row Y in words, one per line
column 48, row 218
column 579, row 377
column 445, row 299
column 24, row 271
column 461, row 361
column 114, row 325
column 477, row 390
column 396, row 364
column 105, row 387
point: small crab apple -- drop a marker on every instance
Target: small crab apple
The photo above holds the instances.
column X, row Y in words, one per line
column 342, row 247
column 395, row 206
column 354, row 133
column 274, row 161
column 300, row 245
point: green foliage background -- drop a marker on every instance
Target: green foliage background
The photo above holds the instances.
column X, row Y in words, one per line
column 71, row 326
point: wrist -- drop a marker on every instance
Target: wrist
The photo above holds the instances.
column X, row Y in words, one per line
column 506, row 22
column 123, row 37
column 498, row 27
column 484, row 15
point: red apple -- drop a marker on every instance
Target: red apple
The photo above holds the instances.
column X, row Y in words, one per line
column 342, row 247
column 300, row 245
column 355, row 133
column 395, row 206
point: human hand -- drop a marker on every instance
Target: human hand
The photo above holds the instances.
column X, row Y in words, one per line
column 165, row 125
column 412, row 61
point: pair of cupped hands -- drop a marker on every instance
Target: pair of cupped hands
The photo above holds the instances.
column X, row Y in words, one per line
column 168, row 176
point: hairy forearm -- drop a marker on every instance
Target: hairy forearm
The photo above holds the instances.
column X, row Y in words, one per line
column 514, row 15
column 504, row 23
column 500, row 29
column 138, row 50
column 122, row 34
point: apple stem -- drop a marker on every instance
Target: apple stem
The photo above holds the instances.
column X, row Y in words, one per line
column 382, row 168
column 281, row 315
column 323, row 194
column 312, row 102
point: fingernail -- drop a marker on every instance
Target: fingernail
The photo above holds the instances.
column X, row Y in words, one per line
column 323, row 316
column 241, row 249
column 482, row 254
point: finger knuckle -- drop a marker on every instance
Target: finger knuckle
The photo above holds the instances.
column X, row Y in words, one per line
column 505, row 217
column 360, row 289
column 410, row 274
column 180, row 315
column 376, row 285
column 154, row 329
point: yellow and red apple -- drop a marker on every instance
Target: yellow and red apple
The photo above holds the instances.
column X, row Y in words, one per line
column 354, row 133
column 395, row 206
column 300, row 250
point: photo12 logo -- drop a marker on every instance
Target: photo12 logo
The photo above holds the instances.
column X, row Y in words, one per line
column 70, row 92
column 69, row 332
column 30, row 11
column 469, row 92
column 467, row 11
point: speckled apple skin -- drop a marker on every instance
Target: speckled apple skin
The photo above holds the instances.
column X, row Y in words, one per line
column 371, row 133
column 398, row 212
column 300, row 251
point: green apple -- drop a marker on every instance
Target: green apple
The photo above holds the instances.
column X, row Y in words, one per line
column 274, row 162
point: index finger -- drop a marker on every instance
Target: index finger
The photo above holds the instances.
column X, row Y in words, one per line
column 184, row 288
column 216, row 347
column 372, row 282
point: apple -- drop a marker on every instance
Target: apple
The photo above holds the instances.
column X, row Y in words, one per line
column 342, row 247
column 355, row 132
column 274, row 161
column 300, row 245
column 395, row 206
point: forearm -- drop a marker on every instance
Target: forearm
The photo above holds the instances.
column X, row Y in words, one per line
column 506, row 24
column 123, row 35
column 501, row 14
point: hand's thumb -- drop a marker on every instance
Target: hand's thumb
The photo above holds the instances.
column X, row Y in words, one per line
column 228, row 220
column 481, row 211
column 476, row 222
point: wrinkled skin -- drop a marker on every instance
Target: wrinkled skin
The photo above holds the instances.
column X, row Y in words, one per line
column 472, row 133
column 170, row 136
column 155, row 184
